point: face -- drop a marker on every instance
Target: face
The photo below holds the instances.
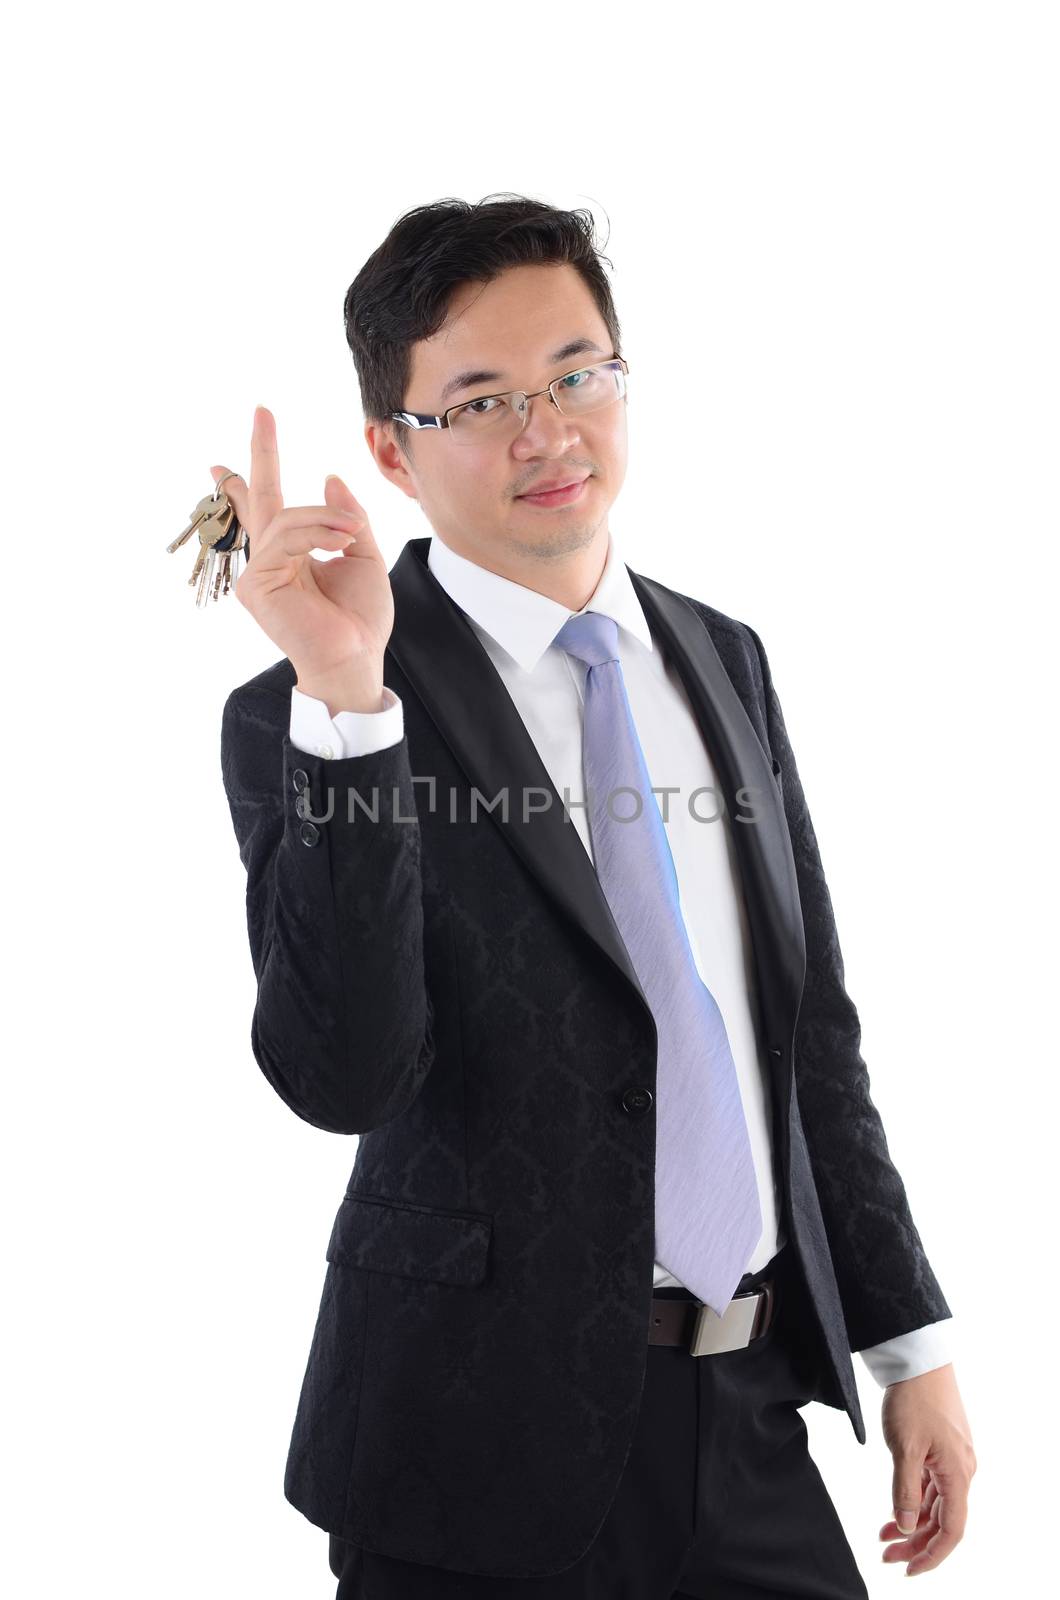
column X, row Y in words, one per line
column 470, row 493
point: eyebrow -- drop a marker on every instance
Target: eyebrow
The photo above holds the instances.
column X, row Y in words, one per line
column 476, row 375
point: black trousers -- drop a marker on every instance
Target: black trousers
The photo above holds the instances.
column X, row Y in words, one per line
column 720, row 1498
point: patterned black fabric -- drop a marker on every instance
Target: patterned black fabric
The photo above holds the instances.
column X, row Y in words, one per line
column 884, row 1280
column 449, row 984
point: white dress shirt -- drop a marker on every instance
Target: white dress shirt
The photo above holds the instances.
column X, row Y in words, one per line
column 516, row 626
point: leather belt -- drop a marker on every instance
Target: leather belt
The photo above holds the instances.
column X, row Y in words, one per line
column 699, row 1328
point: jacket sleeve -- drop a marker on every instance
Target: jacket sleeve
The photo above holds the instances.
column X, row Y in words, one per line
column 342, row 1020
column 886, row 1283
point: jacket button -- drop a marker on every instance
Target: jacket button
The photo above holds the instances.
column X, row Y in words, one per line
column 300, row 779
column 310, row 833
column 301, row 805
column 775, row 1052
column 637, row 1100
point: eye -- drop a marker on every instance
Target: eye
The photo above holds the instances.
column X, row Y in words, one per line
column 585, row 373
column 489, row 400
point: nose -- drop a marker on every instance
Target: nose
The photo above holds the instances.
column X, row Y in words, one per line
column 546, row 430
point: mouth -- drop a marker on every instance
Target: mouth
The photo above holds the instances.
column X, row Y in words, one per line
column 564, row 496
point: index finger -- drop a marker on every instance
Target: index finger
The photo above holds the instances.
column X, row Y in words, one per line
column 266, row 496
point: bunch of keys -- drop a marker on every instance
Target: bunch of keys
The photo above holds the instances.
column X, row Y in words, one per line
column 221, row 534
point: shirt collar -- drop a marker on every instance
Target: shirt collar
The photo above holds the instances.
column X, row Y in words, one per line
column 522, row 621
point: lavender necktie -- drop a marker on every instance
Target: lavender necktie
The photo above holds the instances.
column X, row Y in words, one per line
column 707, row 1214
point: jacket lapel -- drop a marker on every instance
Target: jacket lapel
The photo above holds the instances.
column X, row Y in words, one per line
column 465, row 697
column 745, row 776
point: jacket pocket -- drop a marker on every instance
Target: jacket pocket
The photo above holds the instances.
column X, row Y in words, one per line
column 384, row 1235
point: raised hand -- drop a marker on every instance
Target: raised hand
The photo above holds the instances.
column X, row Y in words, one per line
column 332, row 619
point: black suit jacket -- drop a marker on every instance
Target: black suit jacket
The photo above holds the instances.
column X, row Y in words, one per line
column 456, row 991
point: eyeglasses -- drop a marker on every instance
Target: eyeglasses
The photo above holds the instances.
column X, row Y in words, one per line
column 503, row 416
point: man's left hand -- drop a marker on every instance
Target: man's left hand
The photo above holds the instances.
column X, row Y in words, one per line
column 927, row 1433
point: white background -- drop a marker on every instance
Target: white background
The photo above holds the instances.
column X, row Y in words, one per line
column 834, row 237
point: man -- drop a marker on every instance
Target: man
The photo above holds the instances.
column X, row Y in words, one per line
column 621, row 1203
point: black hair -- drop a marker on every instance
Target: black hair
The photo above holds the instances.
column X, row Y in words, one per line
column 402, row 292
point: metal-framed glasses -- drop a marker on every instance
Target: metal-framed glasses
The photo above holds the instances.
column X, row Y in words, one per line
column 503, row 416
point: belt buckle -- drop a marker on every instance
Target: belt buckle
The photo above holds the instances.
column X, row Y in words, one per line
column 745, row 1316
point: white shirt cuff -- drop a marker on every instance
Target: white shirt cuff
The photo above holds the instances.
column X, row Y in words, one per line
column 910, row 1354
column 348, row 733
